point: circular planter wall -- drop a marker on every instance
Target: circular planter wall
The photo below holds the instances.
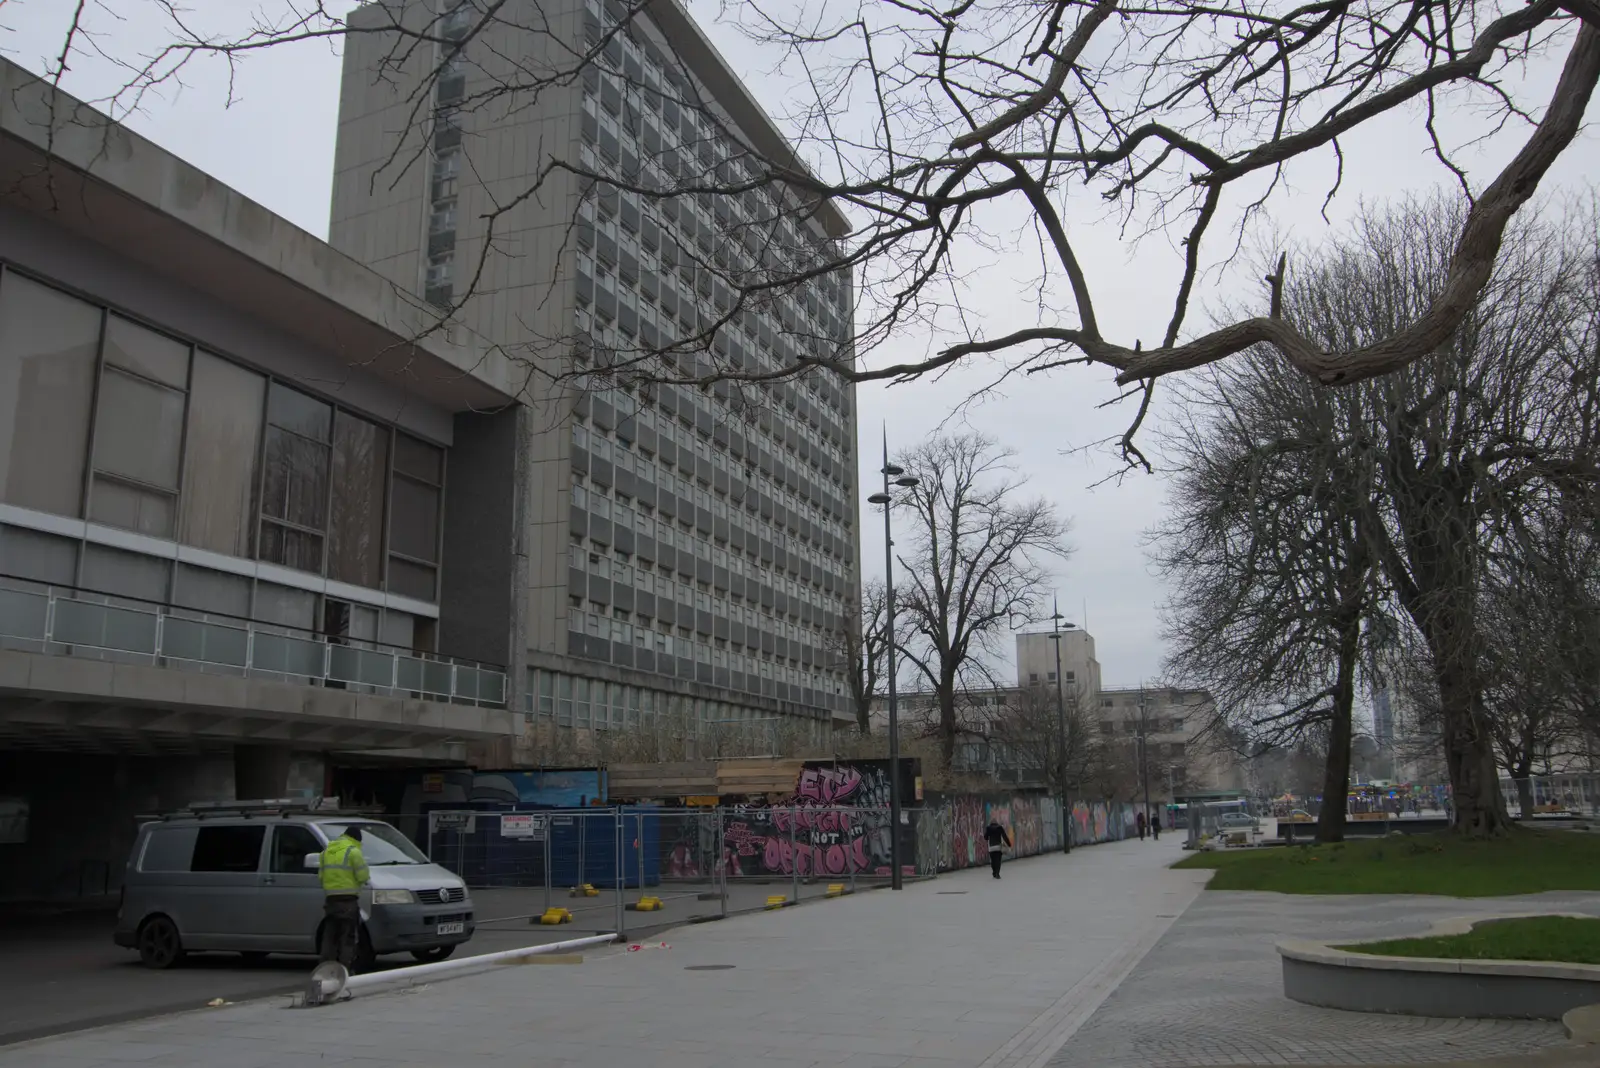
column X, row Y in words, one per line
column 1317, row 973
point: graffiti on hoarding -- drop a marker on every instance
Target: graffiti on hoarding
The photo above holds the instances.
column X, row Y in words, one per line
column 835, row 823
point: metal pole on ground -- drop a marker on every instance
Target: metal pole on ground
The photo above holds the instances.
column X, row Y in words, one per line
column 639, row 848
column 904, row 481
column 722, row 860
column 794, row 858
column 549, row 832
column 617, row 871
column 583, row 836
column 845, row 819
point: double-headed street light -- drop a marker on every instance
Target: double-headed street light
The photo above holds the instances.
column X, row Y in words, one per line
column 1057, row 627
column 905, row 481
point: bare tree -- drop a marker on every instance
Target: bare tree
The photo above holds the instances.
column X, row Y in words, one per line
column 1271, row 571
column 976, row 565
column 1028, row 726
column 861, row 646
column 1498, row 420
column 935, row 128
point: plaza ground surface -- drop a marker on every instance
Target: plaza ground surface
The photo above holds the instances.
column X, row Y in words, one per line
column 1067, row 961
column 60, row 971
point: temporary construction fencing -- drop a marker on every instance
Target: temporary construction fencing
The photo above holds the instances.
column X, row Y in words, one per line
column 628, row 868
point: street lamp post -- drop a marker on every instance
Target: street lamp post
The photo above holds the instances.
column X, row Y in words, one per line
column 1144, row 750
column 887, row 500
column 1056, row 627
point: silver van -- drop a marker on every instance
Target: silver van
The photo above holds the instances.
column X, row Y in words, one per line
column 244, row 879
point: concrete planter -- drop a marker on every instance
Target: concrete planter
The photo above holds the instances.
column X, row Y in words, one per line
column 1316, row 973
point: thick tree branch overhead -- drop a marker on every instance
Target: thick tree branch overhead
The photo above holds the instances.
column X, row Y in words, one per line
column 928, row 137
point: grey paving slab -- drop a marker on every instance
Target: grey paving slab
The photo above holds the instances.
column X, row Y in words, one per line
column 990, row 976
column 1211, row 993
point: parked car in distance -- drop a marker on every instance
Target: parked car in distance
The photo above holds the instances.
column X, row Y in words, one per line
column 1236, row 821
column 243, row 878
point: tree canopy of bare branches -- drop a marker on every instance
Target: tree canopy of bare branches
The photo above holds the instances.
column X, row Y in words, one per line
column 941, row 131
column 862, row 645
column 976, row 564
column 1271, row 572
column 1459, row 458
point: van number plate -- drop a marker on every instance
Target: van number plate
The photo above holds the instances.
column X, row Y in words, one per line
column 452, row 928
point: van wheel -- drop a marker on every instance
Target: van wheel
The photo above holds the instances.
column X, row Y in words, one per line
column 160, row 945
column 436, row 953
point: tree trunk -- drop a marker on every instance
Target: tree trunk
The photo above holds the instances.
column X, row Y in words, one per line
column 947, row 725
column 1525, row 794
column 1336, row 771
column 1469, row 754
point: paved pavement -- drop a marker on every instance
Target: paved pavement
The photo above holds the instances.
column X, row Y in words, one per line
column 1211, row 992
column 60, row 971
column 953, row 973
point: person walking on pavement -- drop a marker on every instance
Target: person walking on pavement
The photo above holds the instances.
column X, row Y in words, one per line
column 343, row 873
column 997, row 837
column 1155, row 826
column 1138, row 821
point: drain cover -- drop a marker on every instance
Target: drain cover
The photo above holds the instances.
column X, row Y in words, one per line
column 952, row 891
column 709, row 967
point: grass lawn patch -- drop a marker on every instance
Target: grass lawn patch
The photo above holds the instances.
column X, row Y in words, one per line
column 1555, row 938
column 1525, row 862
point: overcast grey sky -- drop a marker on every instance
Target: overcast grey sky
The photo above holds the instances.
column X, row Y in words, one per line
column 275, row 144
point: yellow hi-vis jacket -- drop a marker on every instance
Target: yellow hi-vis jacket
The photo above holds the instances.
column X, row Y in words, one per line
column 344, row 869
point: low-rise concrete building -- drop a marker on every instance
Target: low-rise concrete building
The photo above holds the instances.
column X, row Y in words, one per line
column 251, row 528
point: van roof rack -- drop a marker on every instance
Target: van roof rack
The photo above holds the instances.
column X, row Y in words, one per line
column 282, row 806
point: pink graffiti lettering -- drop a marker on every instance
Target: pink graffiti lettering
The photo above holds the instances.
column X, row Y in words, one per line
column 827, row 786
column 803, row 858
column 807, row 820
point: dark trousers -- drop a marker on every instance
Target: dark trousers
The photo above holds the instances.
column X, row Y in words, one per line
column 341, row 928
column 994, row 862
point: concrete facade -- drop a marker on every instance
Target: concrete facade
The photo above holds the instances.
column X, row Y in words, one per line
column 142, row 665
column 690, row 553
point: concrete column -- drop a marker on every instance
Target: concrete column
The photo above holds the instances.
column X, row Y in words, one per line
column 261, row 771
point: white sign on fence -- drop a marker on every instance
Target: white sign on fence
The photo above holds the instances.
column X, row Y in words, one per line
column 522, row 825
column 463, row 822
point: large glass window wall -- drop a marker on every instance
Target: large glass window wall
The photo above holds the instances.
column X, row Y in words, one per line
column 108, row 419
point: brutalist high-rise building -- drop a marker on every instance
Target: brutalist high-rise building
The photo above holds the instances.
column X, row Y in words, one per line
column 681, row 552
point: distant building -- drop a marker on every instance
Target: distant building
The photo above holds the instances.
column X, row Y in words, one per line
column 1170, row 722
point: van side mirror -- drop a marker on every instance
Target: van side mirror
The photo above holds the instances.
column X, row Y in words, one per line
column 314, row 861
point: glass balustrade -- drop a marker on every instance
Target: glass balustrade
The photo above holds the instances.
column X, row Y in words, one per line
column 72, row 623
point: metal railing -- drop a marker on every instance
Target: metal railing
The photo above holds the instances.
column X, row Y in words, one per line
column 66, row 622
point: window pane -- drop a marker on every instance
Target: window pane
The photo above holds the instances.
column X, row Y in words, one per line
column 285, row 606
column 411, row 580
column 295, row 411
column 219, row 481
column 48, row 342
column 360, row 469
column 290, row 844
column 236, row 849
column 291, row 548
column 211, row 591
column 414, row 529
column 295, row 483
column 146, row 352
column 168, row 849
column 418, row 459
column 399, row 628
column 138, row 430
column 118, row 504
column 125, row 574
column 29, row 554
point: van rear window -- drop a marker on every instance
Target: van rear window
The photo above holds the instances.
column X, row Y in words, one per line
column 168, row 849
column 236, row 848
